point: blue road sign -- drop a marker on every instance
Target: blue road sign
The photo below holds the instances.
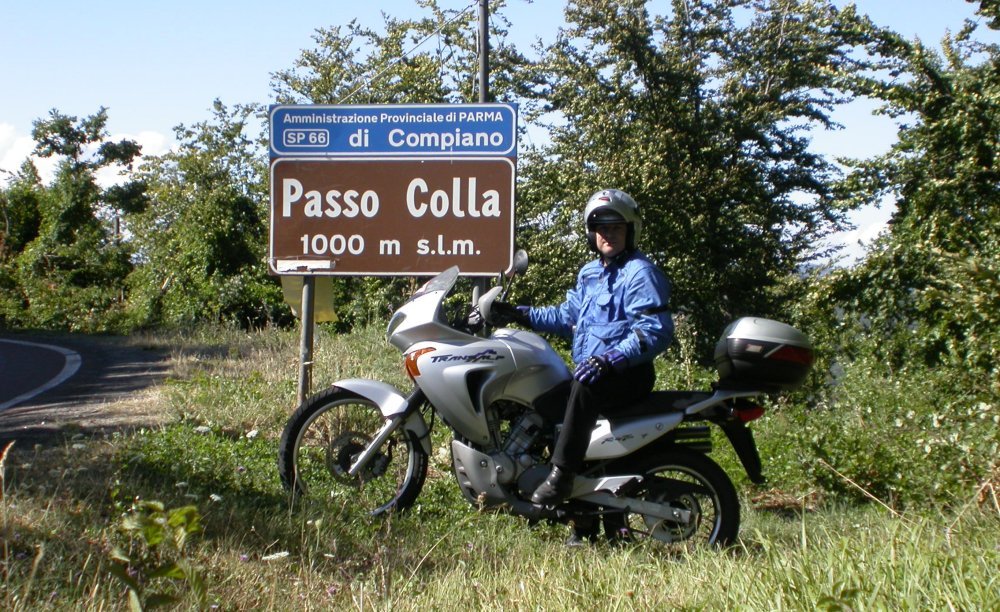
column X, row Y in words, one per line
column 446, row 130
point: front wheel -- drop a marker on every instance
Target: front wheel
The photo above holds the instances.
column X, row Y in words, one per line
column 324, row 437
column 699, row 493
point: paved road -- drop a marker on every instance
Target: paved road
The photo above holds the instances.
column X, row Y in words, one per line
column 29, row 368
column 49, row 382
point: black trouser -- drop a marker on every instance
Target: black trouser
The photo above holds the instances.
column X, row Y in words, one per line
column 611, row 394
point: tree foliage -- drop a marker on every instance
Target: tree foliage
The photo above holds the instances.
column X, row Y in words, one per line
column 201, row 244
column 66, row 261
column 701, row 114
column 20, row 209
column 913, row 332
column 929, row 292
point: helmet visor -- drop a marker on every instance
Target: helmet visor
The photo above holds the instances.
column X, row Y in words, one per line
column 604, row 216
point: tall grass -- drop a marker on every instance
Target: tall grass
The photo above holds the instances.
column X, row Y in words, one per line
column 69, row 510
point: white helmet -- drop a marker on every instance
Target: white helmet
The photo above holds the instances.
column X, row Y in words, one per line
column 612, row 206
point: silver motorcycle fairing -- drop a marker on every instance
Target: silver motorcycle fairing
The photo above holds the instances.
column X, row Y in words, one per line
column 421, row 317
column 538, row 367
column 459, row 380
column 609, row 441
column 462, row 374
column 625, row 436
column 391, row 403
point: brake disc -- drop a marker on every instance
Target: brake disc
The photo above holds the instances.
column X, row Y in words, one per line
column 341, row 454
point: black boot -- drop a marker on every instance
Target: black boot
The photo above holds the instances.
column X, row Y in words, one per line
column 557, row 487
column 584, row 531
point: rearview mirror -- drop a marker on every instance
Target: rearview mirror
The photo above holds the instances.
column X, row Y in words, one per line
column 520, row 263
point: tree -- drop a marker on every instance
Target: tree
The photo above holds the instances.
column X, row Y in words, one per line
column 70, row 273
column 201, row 242
column 21, row 218
column 929, row 291
column 433, row 59
column 701, row 114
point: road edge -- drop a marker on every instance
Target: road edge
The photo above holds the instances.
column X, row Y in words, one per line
column 71, row 365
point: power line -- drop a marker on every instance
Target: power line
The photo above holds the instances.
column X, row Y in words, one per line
column 461, row 13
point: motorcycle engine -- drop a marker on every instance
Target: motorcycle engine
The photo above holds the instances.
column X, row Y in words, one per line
column 524, row 447
column 517, row 454
column 527, row 430
column 517, row 432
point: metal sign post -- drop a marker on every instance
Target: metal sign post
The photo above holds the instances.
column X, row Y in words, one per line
column 306, row 338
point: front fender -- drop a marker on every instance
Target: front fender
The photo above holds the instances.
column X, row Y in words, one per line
column 392, row 403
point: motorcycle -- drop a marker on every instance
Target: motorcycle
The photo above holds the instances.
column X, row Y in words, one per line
column 647, row 473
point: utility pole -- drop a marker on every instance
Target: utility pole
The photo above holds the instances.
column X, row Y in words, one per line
column 484, row 51
column 480, row 284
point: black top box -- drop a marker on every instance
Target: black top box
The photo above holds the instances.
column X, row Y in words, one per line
column 755, row 353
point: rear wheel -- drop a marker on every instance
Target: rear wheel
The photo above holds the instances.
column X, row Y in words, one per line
column 327, row 434
column 697, row 491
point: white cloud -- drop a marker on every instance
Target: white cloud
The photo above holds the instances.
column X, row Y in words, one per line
column 16, row 148
column 868, row 222
column 153, row 143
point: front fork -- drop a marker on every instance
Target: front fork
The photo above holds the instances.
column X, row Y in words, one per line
column 398, row 411
column 374, row 446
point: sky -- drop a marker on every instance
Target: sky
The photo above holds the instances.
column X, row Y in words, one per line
column 156, row 65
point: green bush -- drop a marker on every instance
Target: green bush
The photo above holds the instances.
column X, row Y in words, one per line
column 912, row 438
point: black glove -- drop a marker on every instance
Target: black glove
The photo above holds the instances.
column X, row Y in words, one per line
column 596, row 367
column 503, row 312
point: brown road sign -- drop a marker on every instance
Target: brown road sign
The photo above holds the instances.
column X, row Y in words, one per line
column 391, row 216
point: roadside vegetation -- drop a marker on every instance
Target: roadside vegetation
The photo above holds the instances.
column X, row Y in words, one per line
column 192, row 512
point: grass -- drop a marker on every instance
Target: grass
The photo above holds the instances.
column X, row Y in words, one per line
column 72, row 511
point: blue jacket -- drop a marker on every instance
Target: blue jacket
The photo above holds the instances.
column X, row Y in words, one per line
column 621, row 306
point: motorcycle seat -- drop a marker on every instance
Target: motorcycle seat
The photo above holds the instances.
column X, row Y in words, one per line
column 661, row 402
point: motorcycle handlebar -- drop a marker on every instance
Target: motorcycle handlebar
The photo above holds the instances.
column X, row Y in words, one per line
column 497, row 312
